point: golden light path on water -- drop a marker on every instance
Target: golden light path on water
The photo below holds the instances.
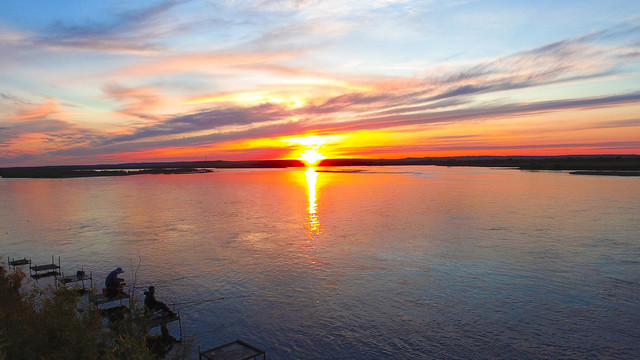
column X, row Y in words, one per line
column 313, row 221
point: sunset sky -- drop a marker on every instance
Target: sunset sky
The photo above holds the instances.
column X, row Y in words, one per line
column 95, row 82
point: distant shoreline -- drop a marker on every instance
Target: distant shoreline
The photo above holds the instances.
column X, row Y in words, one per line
column 606, row 173
column 56, row 173
column 608, row 165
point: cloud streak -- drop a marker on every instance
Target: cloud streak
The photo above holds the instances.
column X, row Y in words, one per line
column 127, row 32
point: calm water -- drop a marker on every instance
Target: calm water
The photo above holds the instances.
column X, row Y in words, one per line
column 391, row 262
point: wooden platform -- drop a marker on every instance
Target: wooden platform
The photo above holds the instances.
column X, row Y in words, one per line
column 157, row 320
column 40, row 271
column 18, row 262
column 81, row 277
column 236, row 350
column 100, row 299
column 74, row 278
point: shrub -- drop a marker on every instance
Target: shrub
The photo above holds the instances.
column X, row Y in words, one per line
column 60, row 323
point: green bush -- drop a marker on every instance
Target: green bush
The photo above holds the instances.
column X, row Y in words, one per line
column 60, row 323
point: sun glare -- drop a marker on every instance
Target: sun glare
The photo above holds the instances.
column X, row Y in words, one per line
column 311, row 156
column 309, row 146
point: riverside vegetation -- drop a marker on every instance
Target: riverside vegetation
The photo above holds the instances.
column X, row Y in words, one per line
column 59, row 323
column 627, row 165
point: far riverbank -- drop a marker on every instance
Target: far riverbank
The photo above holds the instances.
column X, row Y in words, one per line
column 610, row 165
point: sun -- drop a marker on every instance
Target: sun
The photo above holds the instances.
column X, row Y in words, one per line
column 308, row 147
column 311, row 156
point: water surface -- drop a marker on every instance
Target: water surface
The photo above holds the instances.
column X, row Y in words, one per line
column 390, row 262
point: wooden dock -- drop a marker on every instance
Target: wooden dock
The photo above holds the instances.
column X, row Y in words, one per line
column 80, row 276
column 159, row 320
column 18, row 262
column 100, row 299
column 40, row 271
column 236, row 350
column 74, row 278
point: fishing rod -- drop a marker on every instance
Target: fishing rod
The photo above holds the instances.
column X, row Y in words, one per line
column 199, row 301
column 160, row 282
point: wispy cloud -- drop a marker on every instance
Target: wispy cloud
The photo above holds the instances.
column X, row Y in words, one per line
column 131, row 31
column 216, row 62
column 138, row 102
column 483, row 112
column 201, row 121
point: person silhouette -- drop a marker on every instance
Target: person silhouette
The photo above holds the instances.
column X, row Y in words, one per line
column 113, row 283
column 153, row 304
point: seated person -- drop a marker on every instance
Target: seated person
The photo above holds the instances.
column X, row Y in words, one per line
column 154, row 305
column 114, row 284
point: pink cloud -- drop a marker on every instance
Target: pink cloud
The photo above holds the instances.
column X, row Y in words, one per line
column 139, row 102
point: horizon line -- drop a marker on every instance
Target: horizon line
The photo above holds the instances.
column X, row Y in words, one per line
column 302, row 163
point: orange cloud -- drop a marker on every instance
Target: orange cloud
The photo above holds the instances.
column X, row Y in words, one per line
column 36, row 111
column 139, row 102
column 200, row 63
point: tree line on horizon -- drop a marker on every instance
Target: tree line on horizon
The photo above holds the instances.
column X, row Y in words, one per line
column 575, row 162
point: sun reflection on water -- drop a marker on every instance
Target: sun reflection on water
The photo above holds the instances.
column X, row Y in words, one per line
column 313, row 221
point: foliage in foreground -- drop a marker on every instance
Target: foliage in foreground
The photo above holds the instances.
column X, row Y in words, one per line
column 59, row 323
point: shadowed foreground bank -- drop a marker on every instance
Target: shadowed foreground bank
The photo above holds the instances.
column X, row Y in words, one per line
column 59, row 323
column 619, row 165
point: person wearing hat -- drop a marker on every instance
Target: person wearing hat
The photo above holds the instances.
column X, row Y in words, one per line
column 113, row 283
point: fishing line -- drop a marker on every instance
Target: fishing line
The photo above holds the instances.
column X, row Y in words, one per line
column 188, row 304
column 179, row 305
column 161, row 282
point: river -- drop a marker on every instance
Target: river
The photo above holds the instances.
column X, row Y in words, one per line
column 384, row 262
